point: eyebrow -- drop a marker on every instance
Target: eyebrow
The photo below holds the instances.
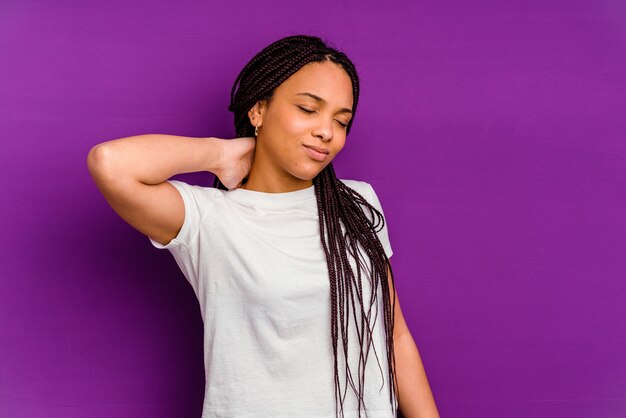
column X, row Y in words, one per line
column 319, row 99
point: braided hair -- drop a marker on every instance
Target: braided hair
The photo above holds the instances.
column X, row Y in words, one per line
column 339, row 206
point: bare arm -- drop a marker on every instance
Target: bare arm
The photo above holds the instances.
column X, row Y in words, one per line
column 131, row 174
column 153, row 158
column 415, row 399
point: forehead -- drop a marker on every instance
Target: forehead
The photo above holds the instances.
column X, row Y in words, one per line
column 326, row 80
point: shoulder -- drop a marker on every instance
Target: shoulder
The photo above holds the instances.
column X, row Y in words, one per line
column 198, row 195
column 366, row 190
column 362, row 187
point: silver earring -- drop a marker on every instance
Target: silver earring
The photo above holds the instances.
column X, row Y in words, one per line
column 256, row 130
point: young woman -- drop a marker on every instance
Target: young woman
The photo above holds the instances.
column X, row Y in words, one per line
column 290, row 264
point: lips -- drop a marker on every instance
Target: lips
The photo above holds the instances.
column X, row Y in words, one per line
column 318, row 149
column 317, row 153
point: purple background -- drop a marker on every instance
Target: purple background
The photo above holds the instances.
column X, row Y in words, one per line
column 493, row 132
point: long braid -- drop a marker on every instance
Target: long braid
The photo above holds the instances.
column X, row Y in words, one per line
column 345, row 201
column 345, row 229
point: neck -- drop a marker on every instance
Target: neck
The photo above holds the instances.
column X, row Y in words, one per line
column 269, row 179
column 272, row 185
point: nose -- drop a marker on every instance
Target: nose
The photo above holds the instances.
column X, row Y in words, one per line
column 324, row 131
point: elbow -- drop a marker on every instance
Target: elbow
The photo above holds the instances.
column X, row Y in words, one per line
column 98, row 163
column 95, row 160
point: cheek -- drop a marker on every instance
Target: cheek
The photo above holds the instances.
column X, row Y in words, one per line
column 294, row 125
column 338, row 145
column 290, row 131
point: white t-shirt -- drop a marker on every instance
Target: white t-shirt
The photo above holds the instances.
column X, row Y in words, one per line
column 258, row 268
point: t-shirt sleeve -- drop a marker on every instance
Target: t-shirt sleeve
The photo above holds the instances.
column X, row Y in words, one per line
column 185, row 246
column 187, row 232
column 383, row 234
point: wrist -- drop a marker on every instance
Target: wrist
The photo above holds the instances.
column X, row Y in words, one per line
column 214, row 154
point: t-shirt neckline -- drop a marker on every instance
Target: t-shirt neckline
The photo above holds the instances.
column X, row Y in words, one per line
column 283, row 199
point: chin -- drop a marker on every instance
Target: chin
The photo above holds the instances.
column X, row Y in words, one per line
column 309, row 174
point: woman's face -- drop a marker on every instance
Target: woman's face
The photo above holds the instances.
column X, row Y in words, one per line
column 308, row 110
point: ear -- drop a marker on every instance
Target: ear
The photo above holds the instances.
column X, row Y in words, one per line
column 256, row 113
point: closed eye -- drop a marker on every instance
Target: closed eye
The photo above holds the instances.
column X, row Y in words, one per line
column 306, row 110
column 312, row 111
